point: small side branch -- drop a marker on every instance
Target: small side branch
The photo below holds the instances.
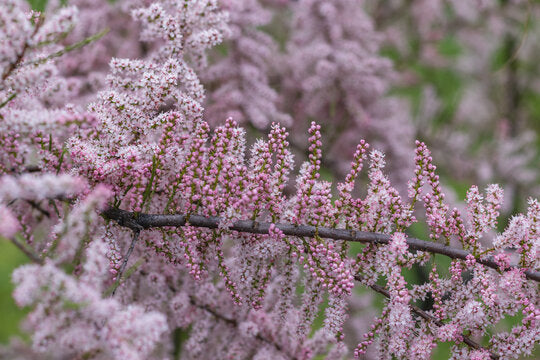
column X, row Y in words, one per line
column 428, row 317
column 120, row 274
column 28, row 252
column 147, row 221
column 234, row 323
column 13, row 65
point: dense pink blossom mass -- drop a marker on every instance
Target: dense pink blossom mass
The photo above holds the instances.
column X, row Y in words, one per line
column 159, row 224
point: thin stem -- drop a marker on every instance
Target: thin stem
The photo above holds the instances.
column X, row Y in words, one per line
column 71, row 47
column 126, row 259
column 428, row 317
column 29, row 253
column 13, row 66
column 148, row 221
column 38, row 207
column 9, row 98
column 234, row 323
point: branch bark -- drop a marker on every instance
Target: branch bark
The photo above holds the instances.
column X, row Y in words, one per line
column 136, row 221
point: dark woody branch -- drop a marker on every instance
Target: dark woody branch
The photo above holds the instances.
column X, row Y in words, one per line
column 145, row 221
column 139, row 222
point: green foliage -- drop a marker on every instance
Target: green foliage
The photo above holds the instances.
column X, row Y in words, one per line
column 38, row 5
column 449, row 47
column 11, row 315
column 531, row 101
column 448, row 85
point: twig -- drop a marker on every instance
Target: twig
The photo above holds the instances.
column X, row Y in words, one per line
column 38, row 207
column 428, row 317
column 29, row 253
column 18, row 62
column 12, row 66
column 126, row 258
column 147, row 221
column 71, row 47
column 234, row 323
column 9, row 98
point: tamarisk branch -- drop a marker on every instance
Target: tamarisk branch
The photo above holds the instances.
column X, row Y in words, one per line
column 139, row 221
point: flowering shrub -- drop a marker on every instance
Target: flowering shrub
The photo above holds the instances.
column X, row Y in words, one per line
column 144, row 223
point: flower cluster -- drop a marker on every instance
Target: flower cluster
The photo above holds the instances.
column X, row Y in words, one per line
column 242, row 78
